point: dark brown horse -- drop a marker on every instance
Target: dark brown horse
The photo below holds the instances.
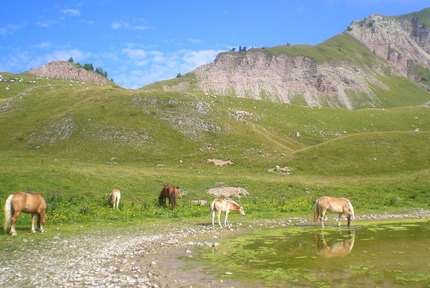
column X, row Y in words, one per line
column 168, row 192
column 27, row 203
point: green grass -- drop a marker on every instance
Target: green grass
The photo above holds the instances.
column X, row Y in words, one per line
column 76, row 142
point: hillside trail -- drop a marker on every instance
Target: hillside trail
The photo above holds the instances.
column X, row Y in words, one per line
column 273, row 138
column 349, row 136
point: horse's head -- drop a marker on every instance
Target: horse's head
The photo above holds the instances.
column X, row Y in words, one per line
column 241, row 211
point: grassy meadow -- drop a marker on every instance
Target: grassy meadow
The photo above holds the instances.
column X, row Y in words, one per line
column 75, row 142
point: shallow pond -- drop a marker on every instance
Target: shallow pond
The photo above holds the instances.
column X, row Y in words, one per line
column 387, row 254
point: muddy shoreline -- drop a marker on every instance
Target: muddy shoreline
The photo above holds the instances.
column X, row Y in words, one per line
column 137, row 258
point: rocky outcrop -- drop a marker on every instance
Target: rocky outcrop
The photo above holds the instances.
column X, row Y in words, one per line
column 68, row 71
column 396, row 45
column 402, row 41
column 282, row 78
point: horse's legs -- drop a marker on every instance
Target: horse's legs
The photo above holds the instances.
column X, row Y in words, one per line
column 213, row 218
column 322, row 218
column 219, row 218
column 33, row 215
column 41, row 221
column 225, row 219
column 338, row 223
column 13, row 220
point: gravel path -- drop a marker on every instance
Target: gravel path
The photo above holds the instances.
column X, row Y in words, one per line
column 132, row 258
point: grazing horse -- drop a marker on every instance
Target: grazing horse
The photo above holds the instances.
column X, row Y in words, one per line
column 219, row 205
column 114, row 198
column 337, row 249
column 170, row 192
column 333, row 205
column 27, row 203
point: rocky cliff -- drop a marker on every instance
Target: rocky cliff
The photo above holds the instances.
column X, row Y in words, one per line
column 395, row 45
column 68, row 70
column 402, row 41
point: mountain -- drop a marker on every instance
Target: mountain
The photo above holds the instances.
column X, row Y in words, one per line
column 376, row 62
column 66, row 71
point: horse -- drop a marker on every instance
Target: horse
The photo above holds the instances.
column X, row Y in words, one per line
column 333, row 205
column 220, row 205
column 171, row 192
column 114, row 198
column 337, row 249
column 27, row 203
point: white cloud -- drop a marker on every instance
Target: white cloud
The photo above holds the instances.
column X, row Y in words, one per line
column 143, row 67
column 11, row 27
column 141, row 27
column 117, row 25
column 43, row 45
column 195, row 41
column 71, row 12
column 46, row 23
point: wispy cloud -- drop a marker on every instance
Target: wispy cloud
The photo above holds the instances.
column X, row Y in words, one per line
column 195, row 41
column 46, row 23
column 71, row 12
column 11, row 27
column 43, row 45
column 119, row 24
column 139, row 27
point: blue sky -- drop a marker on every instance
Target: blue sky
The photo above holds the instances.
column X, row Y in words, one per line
column 140, row 42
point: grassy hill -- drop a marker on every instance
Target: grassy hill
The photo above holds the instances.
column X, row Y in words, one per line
column 75, row 142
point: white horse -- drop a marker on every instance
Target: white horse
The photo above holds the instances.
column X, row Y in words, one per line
column 333, row 205
column 114, row 198
column 219, row 205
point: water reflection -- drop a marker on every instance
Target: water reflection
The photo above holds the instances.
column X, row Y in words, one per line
column 334, row 248
column 391, row 254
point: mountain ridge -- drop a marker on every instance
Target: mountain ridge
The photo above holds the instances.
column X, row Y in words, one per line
column 355, row 69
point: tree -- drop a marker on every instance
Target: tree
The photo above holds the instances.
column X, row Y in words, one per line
column 71, row 59
column 179, row 75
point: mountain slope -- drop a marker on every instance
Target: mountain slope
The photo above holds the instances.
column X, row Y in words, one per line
column 359, row 68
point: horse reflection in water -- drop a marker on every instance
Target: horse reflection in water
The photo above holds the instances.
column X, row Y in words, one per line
column 339, row 248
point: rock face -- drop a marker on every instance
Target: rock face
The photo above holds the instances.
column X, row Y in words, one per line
column 402, row 41
column 396, row 45
column 68, row 71
column 282, row 78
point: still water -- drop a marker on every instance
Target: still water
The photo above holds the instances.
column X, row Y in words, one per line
column 387, row 254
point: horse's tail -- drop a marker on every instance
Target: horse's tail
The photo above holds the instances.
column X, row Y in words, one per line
column 8, row 212
column 213, row 206
column 316, row 211
column 174, row 199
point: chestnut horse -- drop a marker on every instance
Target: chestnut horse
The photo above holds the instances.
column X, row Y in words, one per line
column 220, row 205
column 333, row 205
column 114, row 198
column 27, row 203
column 340, row 248
column 170, row 192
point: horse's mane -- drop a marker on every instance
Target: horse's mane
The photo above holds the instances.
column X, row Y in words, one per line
column 234, row 203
